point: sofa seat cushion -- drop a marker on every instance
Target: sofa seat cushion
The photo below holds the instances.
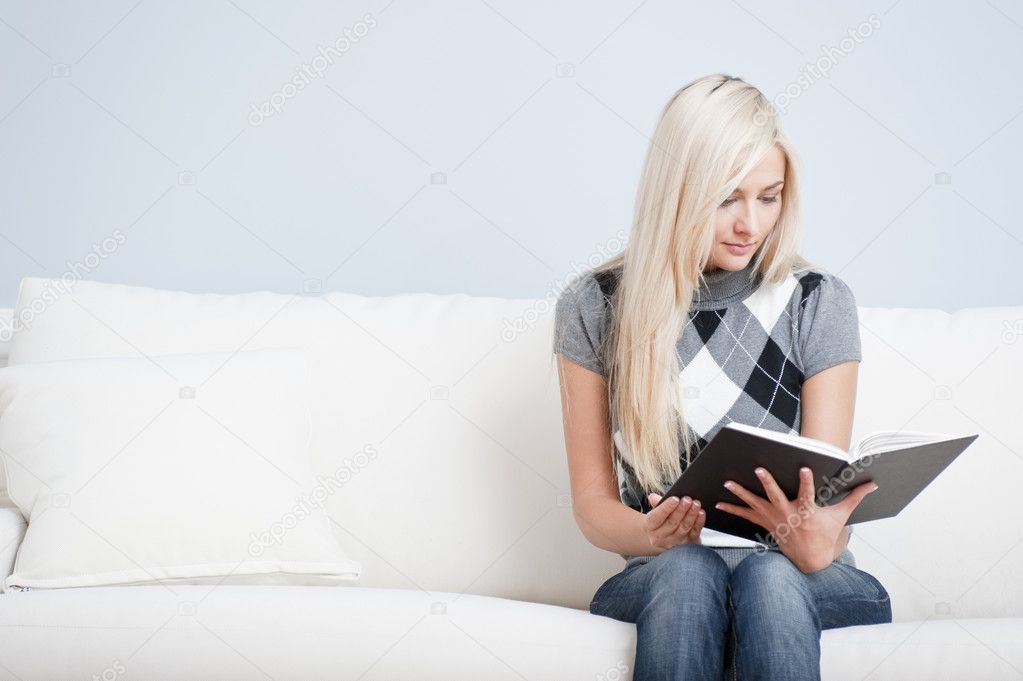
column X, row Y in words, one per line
column 983, row 648
column 300, row 632
column 349, row 632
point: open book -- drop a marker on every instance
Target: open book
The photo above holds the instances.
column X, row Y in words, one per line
column 902, row 463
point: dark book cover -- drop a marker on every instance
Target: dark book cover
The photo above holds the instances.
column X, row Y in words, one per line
column 733, row 453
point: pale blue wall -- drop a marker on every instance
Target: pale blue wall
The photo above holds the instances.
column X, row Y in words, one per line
column 132, row 122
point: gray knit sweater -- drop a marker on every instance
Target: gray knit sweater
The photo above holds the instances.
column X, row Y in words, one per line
column 744, row 353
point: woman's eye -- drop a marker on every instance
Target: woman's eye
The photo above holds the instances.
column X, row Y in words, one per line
column 765, row 199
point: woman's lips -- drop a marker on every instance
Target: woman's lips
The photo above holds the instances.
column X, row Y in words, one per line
column 738, row 249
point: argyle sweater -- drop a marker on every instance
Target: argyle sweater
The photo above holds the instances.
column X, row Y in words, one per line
column 744, row 354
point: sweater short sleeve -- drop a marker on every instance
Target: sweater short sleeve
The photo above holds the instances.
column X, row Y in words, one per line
column 579, row 318
column 829, row 329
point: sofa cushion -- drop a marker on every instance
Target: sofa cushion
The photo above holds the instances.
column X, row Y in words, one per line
column 174, row 468
column 290, row 633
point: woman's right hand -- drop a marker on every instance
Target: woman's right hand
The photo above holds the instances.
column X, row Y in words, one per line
column 674, row 522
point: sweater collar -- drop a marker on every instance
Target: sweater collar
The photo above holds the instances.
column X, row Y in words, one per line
column 721, row 287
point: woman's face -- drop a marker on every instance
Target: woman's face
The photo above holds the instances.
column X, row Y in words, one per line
column 749, row 214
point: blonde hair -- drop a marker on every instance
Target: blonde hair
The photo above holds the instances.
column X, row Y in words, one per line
column 709, row 136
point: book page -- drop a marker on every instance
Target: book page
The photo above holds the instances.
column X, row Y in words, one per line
column 892, row 440
column 801, row 441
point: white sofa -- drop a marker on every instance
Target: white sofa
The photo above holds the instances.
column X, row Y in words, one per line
column 473, row 566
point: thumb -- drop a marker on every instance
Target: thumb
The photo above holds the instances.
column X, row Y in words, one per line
column 857, row 494
column 654, row 498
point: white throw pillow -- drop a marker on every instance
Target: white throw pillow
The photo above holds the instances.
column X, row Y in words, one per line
column 187, row 468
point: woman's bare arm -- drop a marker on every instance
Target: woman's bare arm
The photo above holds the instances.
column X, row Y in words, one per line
column 596, row 505
column 827, row 401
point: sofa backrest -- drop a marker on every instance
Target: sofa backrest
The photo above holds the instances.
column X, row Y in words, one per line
column 441, row 415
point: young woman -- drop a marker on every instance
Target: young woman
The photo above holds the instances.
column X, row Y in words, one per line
column 708, row 316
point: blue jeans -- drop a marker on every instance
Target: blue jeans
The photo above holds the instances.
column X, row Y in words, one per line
column 698, row 619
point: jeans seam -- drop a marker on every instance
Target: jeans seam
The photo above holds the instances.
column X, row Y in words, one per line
column 735, row 641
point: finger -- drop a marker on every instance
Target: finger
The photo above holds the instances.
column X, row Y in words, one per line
column 740, row 511
column 774, row 493
column 685, row 516
column 692, row 520
column 853, row 499
column 807, row 495
column 752, row 500
column 682, row 520
column 666, row 527
column 659, row 513
column 701, row 518
column 659, row 516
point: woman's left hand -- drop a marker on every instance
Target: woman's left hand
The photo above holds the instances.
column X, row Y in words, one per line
column 805, row 532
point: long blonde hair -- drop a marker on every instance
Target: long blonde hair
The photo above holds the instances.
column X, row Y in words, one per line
column 710, row 134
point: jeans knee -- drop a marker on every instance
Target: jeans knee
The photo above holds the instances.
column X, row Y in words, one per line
column 688, row 583
column 694, row 564
column 768, row 576
column 766, row 567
